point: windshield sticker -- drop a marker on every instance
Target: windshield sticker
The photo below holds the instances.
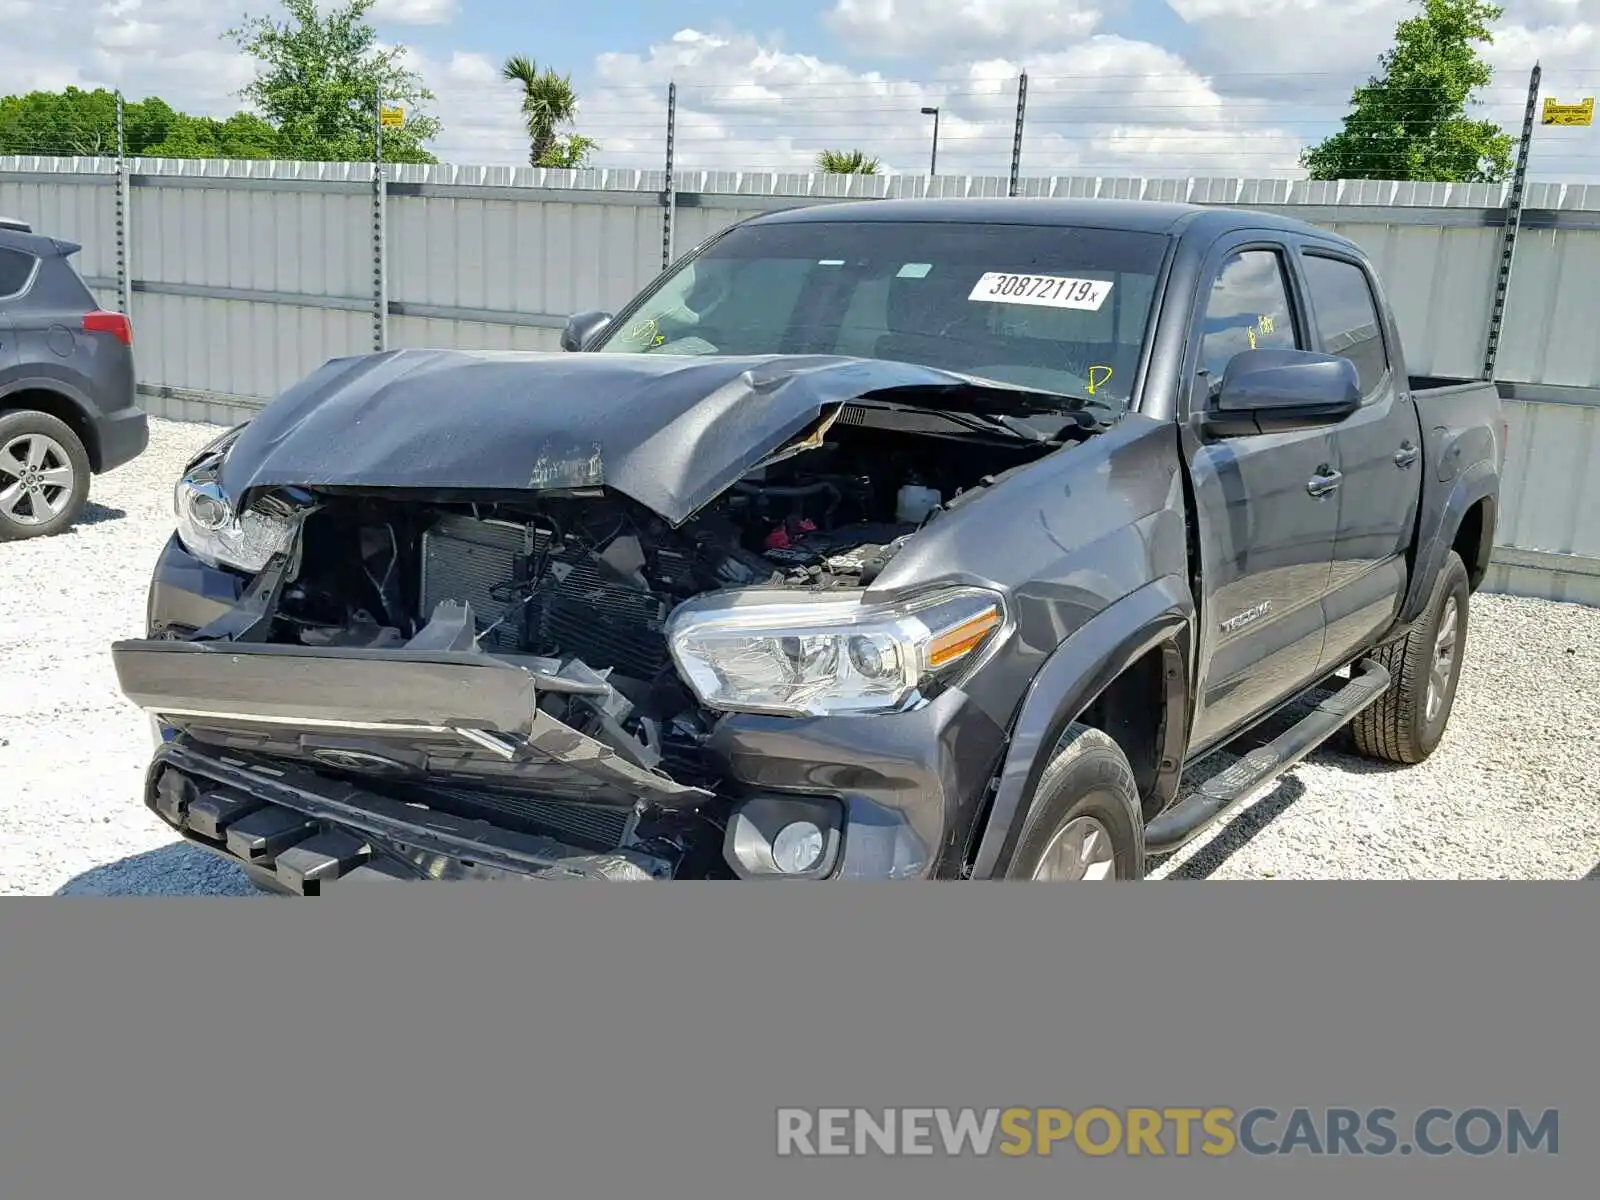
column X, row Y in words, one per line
column 830, row 262
column 1099, row 376
column 914, row 271
column 1046, row 291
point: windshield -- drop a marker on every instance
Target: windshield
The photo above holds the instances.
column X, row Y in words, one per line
column 1055, row 308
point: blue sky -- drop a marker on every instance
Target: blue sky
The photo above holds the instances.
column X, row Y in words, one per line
column 1118, row 87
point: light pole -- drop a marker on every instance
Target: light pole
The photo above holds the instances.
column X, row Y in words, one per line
column 933, row 164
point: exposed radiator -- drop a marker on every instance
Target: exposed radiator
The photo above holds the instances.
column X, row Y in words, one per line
column 579, row 612
column 465, row 560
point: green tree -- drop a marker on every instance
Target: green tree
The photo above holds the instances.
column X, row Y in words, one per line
column 549, row 102
column 846, row 162
column 78, row 122
column 318, row 80
column 243, row 135
column 1410, row 122
column 73, row 122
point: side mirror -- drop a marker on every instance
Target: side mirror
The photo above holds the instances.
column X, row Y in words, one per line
column 1279, row 391
column 582, row 328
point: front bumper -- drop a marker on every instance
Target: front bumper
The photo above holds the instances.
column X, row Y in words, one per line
column 308, row 832
column 912, row 785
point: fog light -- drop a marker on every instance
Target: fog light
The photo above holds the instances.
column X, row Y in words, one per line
column 785, row 837
column 797, row 848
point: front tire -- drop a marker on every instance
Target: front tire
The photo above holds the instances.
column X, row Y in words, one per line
column 1086, row 821
column 44, row 476
column 1407, row 724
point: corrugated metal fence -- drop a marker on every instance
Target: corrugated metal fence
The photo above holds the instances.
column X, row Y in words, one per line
column 242, row 277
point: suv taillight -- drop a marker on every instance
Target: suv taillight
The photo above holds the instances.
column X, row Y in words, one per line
column 114, row 323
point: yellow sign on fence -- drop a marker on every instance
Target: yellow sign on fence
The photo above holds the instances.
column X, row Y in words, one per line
column 392, row 118
column 1581, row 113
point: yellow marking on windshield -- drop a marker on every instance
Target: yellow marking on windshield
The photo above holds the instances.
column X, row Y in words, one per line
column 1100, row 380
column 645, row 333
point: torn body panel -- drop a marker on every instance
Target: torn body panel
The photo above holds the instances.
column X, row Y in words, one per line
column 417, row 711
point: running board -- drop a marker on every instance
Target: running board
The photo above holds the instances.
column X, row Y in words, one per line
column 1227, row 790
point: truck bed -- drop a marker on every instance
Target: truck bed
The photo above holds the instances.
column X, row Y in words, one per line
column 1463, row 421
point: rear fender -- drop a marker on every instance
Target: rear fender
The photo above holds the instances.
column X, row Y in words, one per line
column 59, row 397
column 1070, row 681
column 1440, row 522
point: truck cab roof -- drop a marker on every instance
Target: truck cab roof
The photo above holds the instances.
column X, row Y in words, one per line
column 1143, row 216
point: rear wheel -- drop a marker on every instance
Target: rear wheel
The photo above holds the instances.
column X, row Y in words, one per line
column 1425, row 665
column 44, row 476
column 1086, row 821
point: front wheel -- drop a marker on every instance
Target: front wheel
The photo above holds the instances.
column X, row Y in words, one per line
column 1407, row 724
column 1086, row 821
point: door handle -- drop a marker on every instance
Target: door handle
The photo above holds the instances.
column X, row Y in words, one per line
column 1405, row 456
column 1324, row 483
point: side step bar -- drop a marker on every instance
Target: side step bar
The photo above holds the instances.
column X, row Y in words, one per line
column 1229, row 789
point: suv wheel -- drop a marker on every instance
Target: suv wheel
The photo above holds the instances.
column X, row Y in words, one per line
column 1085, row 821
column 1407, row 724
column 44, row 476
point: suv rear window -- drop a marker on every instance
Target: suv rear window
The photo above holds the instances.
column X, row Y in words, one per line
column 16, row 268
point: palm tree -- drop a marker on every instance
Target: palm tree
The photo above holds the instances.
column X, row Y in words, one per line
column 548, row 102
column 846, row 162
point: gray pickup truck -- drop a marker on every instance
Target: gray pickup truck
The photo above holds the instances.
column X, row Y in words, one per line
column 897, row 539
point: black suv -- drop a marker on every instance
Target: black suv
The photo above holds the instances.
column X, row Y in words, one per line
column 67, row 386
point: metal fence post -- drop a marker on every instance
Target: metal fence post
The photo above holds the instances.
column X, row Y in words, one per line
column 1513, row 225
column 669, row 197
column 380, row 264
column 124, row 281
column 1016, row 140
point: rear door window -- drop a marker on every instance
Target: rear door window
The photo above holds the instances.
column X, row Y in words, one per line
column 16, row 270
column 1347, row 316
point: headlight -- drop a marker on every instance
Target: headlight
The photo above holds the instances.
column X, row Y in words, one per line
column 211, row 531
column 802, row 653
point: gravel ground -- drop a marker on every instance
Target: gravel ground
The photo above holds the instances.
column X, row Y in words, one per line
column 1509, row 795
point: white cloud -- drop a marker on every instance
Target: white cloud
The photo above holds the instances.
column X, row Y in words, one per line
column 1305, row 80
column 479, row 109
column 1108, row 105
column 1259, row 79
column 170, row 48
column 416, row 12
column 961, row 26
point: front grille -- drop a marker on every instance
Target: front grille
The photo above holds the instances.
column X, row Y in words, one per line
column 591, row 826
column 586, row 615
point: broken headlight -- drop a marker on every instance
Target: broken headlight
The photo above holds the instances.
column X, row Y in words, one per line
column 210, row 530
column 818, row 654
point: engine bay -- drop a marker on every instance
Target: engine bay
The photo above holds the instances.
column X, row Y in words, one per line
column 592, row 575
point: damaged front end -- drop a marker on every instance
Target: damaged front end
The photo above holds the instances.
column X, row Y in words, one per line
column 448, row 681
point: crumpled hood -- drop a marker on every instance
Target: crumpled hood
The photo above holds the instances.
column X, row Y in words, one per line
column 671, row 433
